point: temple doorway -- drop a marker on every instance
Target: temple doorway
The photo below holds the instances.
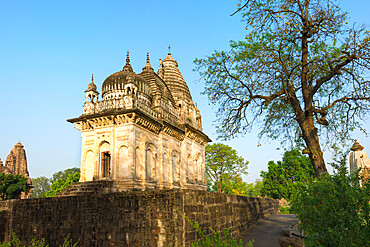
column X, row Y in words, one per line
column 105, row 164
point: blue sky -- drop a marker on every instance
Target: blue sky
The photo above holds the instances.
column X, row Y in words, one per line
column 48, row 50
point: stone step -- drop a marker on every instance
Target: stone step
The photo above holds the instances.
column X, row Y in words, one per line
column 78, row 188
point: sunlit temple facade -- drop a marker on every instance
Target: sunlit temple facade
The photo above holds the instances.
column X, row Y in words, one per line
column 358, row 159
column 145, row 132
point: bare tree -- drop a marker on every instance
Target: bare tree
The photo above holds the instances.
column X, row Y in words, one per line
column 300, row 72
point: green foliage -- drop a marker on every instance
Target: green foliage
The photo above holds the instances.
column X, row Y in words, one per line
column 285, row 210
column 12, row 186
column 282, row 177
column 334, row 210
column 213, row 238
column 300, row 71
column 40, row 186
column 63, row 174
column 223, row 166
column 254, row 189
column 61, row 184
column 15, row 242
column 238, row 187
column 234, row 186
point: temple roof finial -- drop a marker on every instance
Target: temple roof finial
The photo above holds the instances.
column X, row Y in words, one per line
column 91, row 86
column 128, row 57
column 127, row 67
column 169, row 49
column 147, row 65
column 357, row 147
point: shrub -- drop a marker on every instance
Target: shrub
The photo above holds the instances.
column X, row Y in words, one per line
column 213, row 238
column 285, row 210
column 15, row 242
column 334, row 210
column 61, row 184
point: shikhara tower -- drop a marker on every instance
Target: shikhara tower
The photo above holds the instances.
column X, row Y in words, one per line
column 145, row 132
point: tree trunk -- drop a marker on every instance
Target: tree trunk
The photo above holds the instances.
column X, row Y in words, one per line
column 312, row 142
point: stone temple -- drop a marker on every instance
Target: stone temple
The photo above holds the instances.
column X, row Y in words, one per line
column 145, row 132
column 16, row 163
column 358, row 159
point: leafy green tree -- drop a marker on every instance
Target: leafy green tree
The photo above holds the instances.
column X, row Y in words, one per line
column 254, row 189
column 223, row 165
column 63, row 174
column 334, row 210
column 282, row 177
column 40, row 186
column 61, row 184
column 300, row 71
column 12, row 186
column 234, row 186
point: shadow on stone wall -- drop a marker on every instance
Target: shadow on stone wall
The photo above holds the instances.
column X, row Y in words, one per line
column 131, row 218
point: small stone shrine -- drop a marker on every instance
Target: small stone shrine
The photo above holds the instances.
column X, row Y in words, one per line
column 145, row 132
column 359, row 159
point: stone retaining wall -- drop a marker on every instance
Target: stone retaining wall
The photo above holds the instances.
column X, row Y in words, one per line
column 131, row 218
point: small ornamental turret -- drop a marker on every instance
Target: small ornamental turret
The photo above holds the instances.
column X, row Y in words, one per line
column 160, row 72
column 198, row 117
column 91, row 93
column 148, row 66
column 127, row 66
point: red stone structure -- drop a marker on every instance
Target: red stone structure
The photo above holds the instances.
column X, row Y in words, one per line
column 16, row 163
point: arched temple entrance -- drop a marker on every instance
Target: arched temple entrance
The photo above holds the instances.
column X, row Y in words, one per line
column 105, row 161
column 105, row 164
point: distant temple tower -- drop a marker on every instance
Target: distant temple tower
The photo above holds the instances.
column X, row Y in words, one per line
column 358, row 159
column 16, row 163
column 145, row 133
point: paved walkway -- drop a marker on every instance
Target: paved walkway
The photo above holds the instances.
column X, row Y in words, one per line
column 267, row 231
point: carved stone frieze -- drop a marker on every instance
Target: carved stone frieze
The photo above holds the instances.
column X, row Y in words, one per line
column 193, row 135
column 124, row 118
column 148, row 124
column 173, row 132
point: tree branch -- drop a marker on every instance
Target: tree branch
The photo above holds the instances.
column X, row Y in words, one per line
column 335, row 71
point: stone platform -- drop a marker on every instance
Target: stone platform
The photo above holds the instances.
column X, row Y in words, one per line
column 130, row 218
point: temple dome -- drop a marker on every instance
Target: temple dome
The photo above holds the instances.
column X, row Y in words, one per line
column 91, row 87
column 118, row 80
column 117, row 84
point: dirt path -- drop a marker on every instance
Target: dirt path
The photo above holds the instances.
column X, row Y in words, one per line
column 268, row 230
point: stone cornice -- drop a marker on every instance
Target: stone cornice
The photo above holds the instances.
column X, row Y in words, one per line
column 196, row 135
column 119, row 117
column 173, row 131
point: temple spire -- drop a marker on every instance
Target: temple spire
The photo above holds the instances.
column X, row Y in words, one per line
column 169, row 49
column 148, row 66
column 128, row 57
column 92, row 77
column 127, row 67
